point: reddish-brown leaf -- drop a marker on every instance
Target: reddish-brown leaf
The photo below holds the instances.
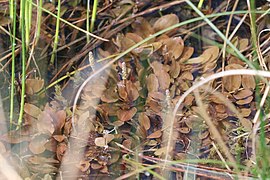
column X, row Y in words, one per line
column 156, row 134
column 125, row 115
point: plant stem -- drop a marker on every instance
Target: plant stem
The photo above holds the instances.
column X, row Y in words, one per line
column 13, row 16
column 39, row 15
column 56, row 33
column 94, row 14
column 87, row 20
column 23, row 57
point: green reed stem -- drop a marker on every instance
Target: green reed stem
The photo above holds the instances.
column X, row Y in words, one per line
column 39, row 15
column 12, row 88
column 23, row 57
column 200, row 4
column 94, row 14
column 88, row 21
column 56, row 32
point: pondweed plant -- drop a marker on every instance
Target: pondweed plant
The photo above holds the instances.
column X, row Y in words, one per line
column 166, row 163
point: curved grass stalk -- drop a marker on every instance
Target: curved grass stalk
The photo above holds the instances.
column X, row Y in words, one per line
column 13, row 44
column 68, row 23
column 56, row 33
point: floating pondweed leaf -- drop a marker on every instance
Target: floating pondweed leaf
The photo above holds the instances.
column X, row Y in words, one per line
column 134, row 37
column 142, row 28
column 132, row 91
column 173, row 46
column 45, row 124
column 245, row 112
column 84, row 165
column 235, row 60
column 196, row 60
column 165, row 22
column 220, row 108
column 174, row 69
column 37, row 144
column 156, row 96
column 187, row 76
column 214, row 51
column 33, row 86
column 187, row 53
column 247, row 124
column 184, row 130
column 242, row 94
column 152, row 83
column 60, row 151
column 125, row 115
column 248, row 82
column 243, row 44
column 232, row 83
column 245, row 101
column 144, row 121
column 156, row 134
column 100, row 141
column 110, row 95
column 32, row 110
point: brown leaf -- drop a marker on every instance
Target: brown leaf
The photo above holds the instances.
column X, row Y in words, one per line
column 248, row 82
column 132, row 91
column 37, row 144
column 245, row 101
column 163, row 79
column 165, row 22
column 61, row 149
column 174, row 69
column 152, row 83
column 100, row 141
column 156, row 134
column 33, row 85
column 134, row 37
column 125, row 115
column 232, row 83
column 173, row 46
column 245, row 112
column 45, row 124
column 144, row 121
column 247, row 124
column 243, row 94
column 187, row 53
column 32, row 110
column 243, row 44
column 142, row 27
column 59, row 138
column 84, row 165
column 184, row 130
column 110, row 95
column 214, row 51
